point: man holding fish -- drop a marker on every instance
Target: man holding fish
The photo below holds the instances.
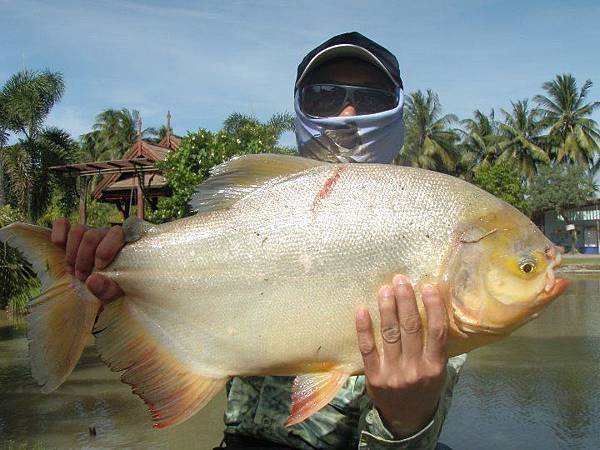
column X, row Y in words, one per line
column 349, row 105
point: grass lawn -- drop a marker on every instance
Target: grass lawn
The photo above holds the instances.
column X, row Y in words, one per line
column 581, row 262
column 591, row 259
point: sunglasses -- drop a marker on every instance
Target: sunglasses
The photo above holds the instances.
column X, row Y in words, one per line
column 328, row 100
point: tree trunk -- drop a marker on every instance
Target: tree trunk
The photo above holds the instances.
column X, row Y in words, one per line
column 2, row 196
column 31, row 183
column 574, row 241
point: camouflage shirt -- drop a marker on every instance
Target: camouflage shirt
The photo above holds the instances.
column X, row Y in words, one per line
column 259, row 406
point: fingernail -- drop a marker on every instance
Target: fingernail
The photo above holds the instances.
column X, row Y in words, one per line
column 81, row 275
column 362, row 315
column 97, row 285
column 429, row 289
column 400, row 280
column 386, row 292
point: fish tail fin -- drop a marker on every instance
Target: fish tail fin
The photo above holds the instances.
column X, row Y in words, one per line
column 170, row 388
column 61, row 318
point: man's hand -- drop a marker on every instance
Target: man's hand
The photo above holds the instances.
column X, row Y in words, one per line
column 87, row 248
column 405, row 382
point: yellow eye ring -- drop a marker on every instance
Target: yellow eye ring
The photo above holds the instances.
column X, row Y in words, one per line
column 527, row 267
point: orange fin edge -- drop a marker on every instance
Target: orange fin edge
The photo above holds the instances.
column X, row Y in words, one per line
column 313, row 391
column 172, row 391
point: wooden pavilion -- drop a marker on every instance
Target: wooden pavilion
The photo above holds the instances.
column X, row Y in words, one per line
column 134, row 179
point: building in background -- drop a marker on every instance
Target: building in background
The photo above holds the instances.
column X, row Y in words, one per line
column 586, row 220
column 131, row 181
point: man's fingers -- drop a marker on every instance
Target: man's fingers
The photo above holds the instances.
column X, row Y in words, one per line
column 87, row 249
column 76, row 233
column 437, row 324
column 109, row 247
column 390, row 327
column 103, row 287
column 366, row 341
column 60, row 232
column 410, row 321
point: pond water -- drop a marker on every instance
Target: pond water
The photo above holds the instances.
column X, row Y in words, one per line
column 538, row 389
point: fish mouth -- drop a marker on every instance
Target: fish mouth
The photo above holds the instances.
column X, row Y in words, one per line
column 557, row 288
column 554, row 286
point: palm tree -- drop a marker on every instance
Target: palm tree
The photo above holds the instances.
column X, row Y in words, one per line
column 241, row 125
column 481, row 138
column 89, row 150
column 27, row 166
column 572, row 134
column 17, row 279
column 161, row 133
column 280, row 123
column 429, row 143
column 521, row 130
column 115, row 131
column 27, row 98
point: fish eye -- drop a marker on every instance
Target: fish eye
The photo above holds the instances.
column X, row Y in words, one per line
column 527, row 266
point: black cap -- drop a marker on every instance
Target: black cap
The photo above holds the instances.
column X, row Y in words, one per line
column 353, row 45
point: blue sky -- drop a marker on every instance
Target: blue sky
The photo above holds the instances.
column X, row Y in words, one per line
column 206, row 59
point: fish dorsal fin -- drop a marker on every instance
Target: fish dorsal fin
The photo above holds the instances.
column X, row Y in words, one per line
column 134, row 228
column 311, row 392
column 241, row 175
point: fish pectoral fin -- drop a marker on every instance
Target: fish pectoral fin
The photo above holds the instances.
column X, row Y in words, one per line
column 313, row 391
column 236, row 178
column 172, row 391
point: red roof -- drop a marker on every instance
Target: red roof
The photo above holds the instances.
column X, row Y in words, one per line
column 141, row 149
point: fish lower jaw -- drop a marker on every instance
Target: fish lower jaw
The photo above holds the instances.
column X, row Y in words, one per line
column 470, row 326
column 558, row 287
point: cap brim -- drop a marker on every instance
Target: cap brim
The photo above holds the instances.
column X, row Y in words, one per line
column 344, row 50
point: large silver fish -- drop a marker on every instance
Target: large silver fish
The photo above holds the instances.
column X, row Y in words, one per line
column 266, row 278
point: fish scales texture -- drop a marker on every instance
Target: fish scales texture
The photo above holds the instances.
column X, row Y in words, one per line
column 271, row 284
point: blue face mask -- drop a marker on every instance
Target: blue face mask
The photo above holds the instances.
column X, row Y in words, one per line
column 371, row 138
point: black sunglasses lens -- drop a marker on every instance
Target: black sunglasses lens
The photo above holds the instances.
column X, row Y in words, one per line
column 322, row 100
column 371, row 101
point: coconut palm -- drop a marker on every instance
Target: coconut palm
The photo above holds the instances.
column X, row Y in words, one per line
column 89, row 150
column 115, row 131
column 481, row 138
column 280, row 123
column 573, row 135
column 247, row 127
column 429, row 143
column 521, row 137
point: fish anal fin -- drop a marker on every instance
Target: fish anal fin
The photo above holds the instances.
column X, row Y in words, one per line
column 236, row 178
column 313, row 391
column 172, row 391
